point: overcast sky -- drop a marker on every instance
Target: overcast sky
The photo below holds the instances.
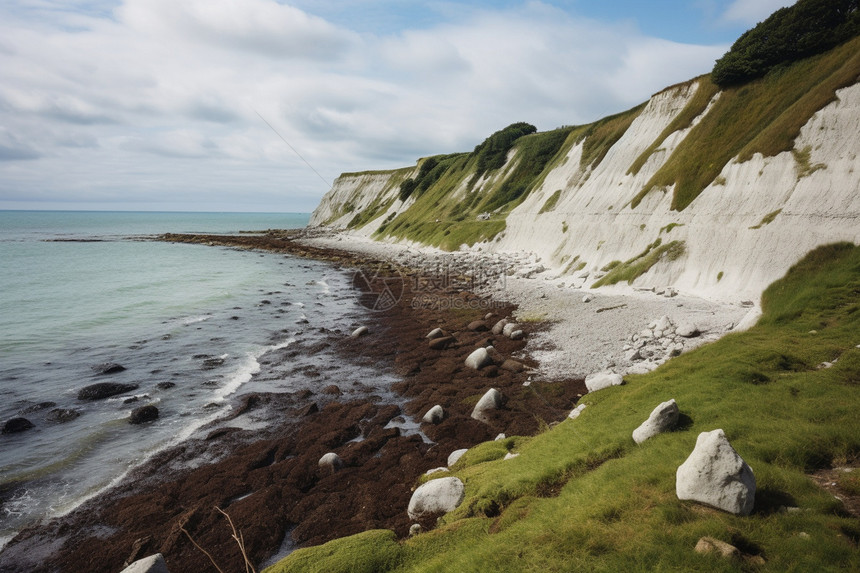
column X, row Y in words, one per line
column 167, row 104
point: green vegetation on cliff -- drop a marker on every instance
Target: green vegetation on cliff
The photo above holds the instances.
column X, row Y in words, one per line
column 634, row 268
column 448, row 198
column 582, row 496
column 764, row 116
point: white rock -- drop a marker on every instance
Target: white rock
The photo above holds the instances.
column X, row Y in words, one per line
column 642, row 368
column 152, row 564
column 646, row 334
column 492, row 400
column 331, row 460
column 517, row 335
column 500, row 437
column 587, row 298
column 574, row 414
column 499, row 326
column 510, row 456
column 632, row 354
column 436, row 496
column 509, row 328
column 435, row 471
column 662, row 418
column 715, row 475
column 601, row 380
column 478, row 359
column 687, row 330
column 455, row 456
column 360, row 331
column 434, row 415
column 435, row 333
column 663, row 323
column 414, row 529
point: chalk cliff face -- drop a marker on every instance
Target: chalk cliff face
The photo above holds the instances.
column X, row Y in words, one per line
column 747, row 227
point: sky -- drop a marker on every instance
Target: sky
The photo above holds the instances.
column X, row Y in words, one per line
column 259, row 105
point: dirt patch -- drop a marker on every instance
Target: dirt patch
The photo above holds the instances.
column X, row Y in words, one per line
column 843, row 483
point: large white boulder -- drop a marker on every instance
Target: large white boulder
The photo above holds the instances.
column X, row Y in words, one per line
column 601, row 380
column 662, row 418
column 436, row 496
column 492, row 400
column 152, row 564
column 714, row 474
column 478, row 359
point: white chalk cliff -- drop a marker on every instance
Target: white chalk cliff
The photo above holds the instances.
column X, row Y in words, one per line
column 741, row 233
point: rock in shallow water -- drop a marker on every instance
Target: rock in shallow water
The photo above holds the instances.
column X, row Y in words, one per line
column 104, row 390
column 62, row 415
column 143, row 414
column 107, row 368
column 16, row 425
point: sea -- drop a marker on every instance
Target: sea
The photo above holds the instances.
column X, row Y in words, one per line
column 190, row 325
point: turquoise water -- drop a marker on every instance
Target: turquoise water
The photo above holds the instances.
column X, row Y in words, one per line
column 188, row 322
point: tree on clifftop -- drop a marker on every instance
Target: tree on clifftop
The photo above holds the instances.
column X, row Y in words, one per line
column 809, row 27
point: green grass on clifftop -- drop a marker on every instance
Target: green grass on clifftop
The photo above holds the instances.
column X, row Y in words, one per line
column 583, row 496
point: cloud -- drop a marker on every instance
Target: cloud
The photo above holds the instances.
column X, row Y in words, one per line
column 13, row 149
column 263, row 27
column 751, row 12
column 158, row 94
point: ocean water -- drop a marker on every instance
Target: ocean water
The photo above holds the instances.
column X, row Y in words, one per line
column 189, row 323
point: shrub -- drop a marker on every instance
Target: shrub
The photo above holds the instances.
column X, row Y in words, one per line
column 491, row 154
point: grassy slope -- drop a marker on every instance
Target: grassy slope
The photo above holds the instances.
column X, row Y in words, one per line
column 584, row 496
column 763, row 116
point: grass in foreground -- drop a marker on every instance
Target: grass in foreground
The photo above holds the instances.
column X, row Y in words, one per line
column 584, row 496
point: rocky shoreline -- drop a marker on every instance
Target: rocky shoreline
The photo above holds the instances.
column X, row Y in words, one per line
column 270, row 481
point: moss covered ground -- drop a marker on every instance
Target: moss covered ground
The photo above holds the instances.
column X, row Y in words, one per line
column 582, row 496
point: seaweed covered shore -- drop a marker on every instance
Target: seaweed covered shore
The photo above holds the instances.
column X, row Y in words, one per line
column 268, row 479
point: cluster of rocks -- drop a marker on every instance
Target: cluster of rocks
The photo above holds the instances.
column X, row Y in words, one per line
column 442, row 495
column 660, row 341
column 90, row 393
column 714, row 474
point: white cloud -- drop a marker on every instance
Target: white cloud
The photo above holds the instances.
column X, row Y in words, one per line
column 750, row 12
column 165, row 94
